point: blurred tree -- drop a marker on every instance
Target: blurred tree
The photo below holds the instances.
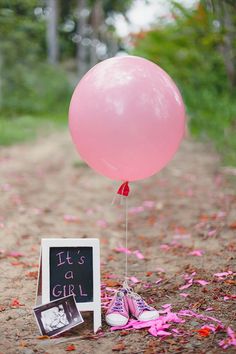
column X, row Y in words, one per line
column 81, row 53
column 225, row 14
column 187, row 47
column 52, row 37
column 73, row 32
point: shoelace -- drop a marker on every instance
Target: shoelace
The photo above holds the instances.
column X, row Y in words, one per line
column 118, row 304
column 142, row 305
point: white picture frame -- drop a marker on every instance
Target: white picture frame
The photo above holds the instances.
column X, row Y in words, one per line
column 95, row 305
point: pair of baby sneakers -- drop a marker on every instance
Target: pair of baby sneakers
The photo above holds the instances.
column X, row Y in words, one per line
column 125, row 303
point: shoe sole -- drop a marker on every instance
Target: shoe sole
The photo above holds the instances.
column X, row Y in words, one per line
column 113, row 324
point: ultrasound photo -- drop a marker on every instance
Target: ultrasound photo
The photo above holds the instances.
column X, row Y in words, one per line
column 58, row 316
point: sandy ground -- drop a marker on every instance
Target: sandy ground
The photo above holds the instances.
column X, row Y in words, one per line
column 188, row 207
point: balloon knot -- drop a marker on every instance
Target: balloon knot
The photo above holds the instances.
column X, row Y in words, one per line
column 124, row 189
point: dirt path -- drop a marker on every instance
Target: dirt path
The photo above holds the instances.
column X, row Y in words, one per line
column 182, row 220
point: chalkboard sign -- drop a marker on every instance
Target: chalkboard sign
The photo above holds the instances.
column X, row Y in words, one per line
column 72, row 267
column 71, row 273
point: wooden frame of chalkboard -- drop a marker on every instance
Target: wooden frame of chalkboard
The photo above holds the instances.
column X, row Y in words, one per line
column 72, row 266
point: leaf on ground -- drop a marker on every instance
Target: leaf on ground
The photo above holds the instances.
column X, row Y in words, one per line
column 43, row 337
column 233, row 226
column 23, row 344
column 118, row 347
column 32, row 275
column 111, row 283
column 16, row 303
column 70, row 348
column 124, row 333
column 204, row 332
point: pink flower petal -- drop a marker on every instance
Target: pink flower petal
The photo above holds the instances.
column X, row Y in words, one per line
column 209, row 309
column 136, row 210
column 202, row 282
column 184, row 294
column 71, row 218
column 223, row 274
column 197, row 253
column 134, row 280
column 164, row 247
column 163, row 333
column 186, row 286
column 123, row 250
column 158, row 281
column 102, row 223
column 161, row 270
column 15, row 254
column 138, row 254
column 166, row 306
column 231, row 333
column 149, row 204
column 211, row 233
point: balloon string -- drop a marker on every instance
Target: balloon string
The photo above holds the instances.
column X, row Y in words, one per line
column 126, row 239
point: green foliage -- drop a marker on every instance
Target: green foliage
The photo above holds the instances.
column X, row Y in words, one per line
column 187, row 49
column 35, row 89
column 28, row 84
column 27, row 127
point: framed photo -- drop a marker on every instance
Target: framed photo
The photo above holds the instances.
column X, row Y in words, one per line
column 58, row 316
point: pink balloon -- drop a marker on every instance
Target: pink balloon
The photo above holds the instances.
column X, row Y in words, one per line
column 126, row 118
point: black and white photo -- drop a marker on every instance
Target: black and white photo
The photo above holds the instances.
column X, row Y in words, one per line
column 58, row 316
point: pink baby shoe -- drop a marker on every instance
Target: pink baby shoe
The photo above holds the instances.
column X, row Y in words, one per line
column 140, row 309
column 118, row 310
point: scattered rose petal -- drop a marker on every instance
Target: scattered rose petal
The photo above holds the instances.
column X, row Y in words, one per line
column 161, row 270
column 230, row 340
column 181, row 236
column 211, row 233
column 89, row 212
column 15, row 254
column 202, row 282
column 197, row 253
column 184, row 294
column 158, row 281
column 102, row 223
column 149, row 204
column 134, row 280
column 186, row 286
column 229, row 297
column 138, row 254
column 136, row 210
column 164, row 247
column 123, row 250
column 71, row 218
column 166, row 306
column 223, row 274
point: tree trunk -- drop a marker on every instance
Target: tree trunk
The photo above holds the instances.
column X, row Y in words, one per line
column 225, row 13
column 97, row 19
column 1, row 78
column 52, row 37
column 81, row 53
